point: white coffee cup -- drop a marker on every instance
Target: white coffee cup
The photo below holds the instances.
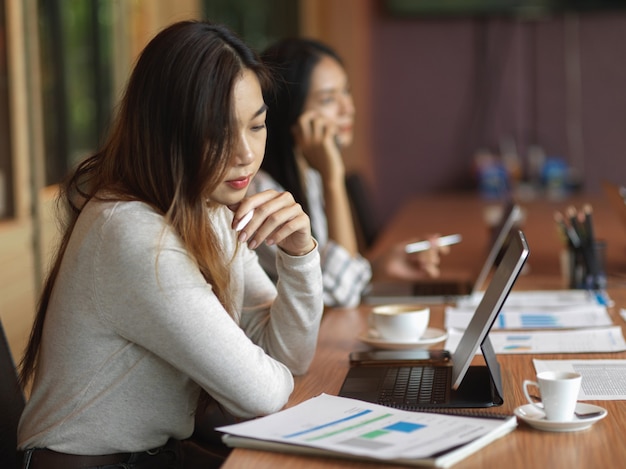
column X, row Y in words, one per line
column 559, row 393
column 400, row 323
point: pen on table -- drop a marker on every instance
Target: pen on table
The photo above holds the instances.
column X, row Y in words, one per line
column 601, row 297
column 425, row 245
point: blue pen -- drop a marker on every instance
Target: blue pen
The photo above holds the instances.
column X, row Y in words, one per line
column 602, row 297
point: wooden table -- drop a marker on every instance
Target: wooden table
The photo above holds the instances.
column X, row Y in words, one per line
column 601, row 446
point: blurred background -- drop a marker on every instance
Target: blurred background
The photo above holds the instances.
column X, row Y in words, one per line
column 488, row 97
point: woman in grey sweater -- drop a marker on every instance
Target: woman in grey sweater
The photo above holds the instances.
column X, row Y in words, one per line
column 156, row 300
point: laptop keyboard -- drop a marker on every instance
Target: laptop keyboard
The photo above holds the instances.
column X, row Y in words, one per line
column 415, row 386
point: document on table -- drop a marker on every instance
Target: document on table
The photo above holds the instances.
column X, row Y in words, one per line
column 603, row 339
column 344, row 427
column 602, row 379
column 544, row 298
column 570, row 317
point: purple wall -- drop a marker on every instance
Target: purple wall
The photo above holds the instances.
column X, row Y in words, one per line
column 444, row 87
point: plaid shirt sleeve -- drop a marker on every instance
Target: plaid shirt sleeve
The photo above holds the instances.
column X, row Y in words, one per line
column 344, row 277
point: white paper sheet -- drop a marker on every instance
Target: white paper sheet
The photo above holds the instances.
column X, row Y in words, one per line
column 570, row 317
column 602, row 379
column 604, row 339
column 349, row 426
column 545, row 298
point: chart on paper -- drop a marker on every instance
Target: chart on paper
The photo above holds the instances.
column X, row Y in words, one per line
column 359, row 432
column 601, row 339
column 349, row 426
column 568, row 318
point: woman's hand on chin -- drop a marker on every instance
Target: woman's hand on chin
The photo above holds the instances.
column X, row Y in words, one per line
column 274, row 218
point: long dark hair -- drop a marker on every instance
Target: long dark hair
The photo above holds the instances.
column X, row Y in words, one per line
column 169, row 146
column 292, row 61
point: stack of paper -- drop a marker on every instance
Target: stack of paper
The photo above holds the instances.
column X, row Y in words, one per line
column 605, row 339
column 555, row 321
column 348, row 428
column 545, row 298
column 571, row 317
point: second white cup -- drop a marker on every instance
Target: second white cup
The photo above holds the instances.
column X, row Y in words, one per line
column 400, row 323
column 559, row 393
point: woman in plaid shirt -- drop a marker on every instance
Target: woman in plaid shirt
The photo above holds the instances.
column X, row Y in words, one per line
column 310, row 119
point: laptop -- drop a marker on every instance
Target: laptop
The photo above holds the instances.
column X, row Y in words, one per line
column 446, row 383
column 437, row 292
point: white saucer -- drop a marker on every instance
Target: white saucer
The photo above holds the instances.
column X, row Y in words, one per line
column 536, row 418
column 431, row 336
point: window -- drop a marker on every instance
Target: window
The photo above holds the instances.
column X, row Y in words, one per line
column 76, row 63
column 77, row 66
column 258, row 22
column 6, row 170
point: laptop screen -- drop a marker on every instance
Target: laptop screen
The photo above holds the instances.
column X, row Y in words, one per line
column 510, row 215
column 490, row 305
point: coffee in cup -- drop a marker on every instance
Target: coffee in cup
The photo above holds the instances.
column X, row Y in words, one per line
column 400, row 323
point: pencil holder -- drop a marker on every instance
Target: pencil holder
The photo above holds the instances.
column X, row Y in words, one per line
column 585, row 269
column 599, row 250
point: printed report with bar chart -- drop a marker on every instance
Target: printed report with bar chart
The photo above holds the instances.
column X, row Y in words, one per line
column 349, row 428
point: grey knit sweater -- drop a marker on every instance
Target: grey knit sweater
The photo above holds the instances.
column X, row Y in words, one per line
column 133, row 331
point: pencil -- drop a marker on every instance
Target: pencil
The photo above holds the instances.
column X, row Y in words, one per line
column 572, row 214
column 587, row 210
column 569, row 233
column 590, row 244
